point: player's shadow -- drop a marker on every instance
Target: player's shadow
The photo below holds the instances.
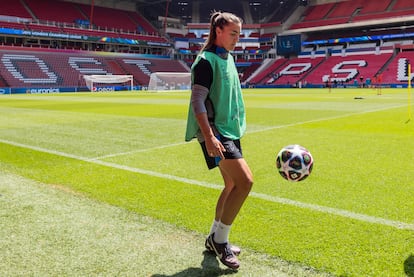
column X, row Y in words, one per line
column 409, row 266
column 209, row 267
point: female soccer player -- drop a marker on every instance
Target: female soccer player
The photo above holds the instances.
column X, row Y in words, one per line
column 217, row 118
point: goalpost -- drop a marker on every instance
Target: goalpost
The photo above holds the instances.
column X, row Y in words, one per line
column 108, row 82
column 169, row 81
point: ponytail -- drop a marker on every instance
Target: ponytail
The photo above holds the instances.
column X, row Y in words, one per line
column 219, row 19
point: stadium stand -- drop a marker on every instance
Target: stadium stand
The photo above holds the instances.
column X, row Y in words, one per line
column 247, row 72
column 264, row 76
column 295, row 70
column 348, row 69
column 55, row 68
column 374, row 7
column 109, row 19
column 56, row 11
column 318, row 12
column 324, row 22
column 43, row 28
column 403, row 5
column 344, row 9
column 34, row 53
column 64, row 17
column 13, row 25
column 143, row 26
column 395, row 71
column 14, row 8
column 352, row 11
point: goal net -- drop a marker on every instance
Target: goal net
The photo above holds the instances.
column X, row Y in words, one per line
column 166, row 81
column 109, row 82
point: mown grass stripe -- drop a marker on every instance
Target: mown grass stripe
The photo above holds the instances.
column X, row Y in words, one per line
column 285, row 201
column 260, row 130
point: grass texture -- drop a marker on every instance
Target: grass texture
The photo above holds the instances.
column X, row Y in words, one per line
column 48, row 230
column 123, row 154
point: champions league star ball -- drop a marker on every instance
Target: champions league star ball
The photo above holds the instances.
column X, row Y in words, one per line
column 294, row 163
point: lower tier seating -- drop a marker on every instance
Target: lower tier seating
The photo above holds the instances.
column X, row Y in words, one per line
column 54, row 68
column 350, row 69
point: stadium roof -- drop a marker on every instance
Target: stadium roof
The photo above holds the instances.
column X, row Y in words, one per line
column 196, row 11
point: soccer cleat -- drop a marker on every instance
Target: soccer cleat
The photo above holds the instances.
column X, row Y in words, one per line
column 224, row 253
column 235, row 249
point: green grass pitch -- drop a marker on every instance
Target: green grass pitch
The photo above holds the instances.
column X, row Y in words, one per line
column 125, row 153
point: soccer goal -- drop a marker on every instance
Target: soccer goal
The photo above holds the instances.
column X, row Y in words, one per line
column 109, row 82
column 169, row 81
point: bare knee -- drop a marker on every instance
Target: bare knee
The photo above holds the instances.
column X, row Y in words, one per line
column 246, row 184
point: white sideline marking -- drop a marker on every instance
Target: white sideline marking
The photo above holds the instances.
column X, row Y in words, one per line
column 285, row 201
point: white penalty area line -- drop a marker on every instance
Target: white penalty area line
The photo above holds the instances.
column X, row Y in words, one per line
column 137, row 151
column 325, row 119
column 250, row 132
column 274, row 199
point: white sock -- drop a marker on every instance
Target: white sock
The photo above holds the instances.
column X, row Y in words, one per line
column 214, row 227
column 222, row 233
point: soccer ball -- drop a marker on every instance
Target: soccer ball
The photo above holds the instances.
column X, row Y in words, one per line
column 294, row 163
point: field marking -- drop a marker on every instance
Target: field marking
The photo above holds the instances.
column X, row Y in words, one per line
column 251, row 132
column 137, row 151
column 275, row 199
column 326, row 118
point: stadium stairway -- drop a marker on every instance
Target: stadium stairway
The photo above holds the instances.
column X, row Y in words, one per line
column 396, row 71
column 296, row 70
column 265, row 75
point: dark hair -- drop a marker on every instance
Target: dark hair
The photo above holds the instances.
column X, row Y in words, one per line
column 219, row 19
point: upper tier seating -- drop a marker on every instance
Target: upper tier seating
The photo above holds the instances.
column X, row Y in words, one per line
column 51, row 10
column 109, row 18
column 370, row 7
column 48, row 16
column 403, row 5
column 143, row 25
column 353, row 11
column 345, row 8
column 13, row 8
column 318, row 12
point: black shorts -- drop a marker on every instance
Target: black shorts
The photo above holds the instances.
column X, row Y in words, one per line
column 233, row 151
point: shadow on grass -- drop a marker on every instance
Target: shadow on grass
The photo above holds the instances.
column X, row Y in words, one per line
column 209, row 267
column 409, row 266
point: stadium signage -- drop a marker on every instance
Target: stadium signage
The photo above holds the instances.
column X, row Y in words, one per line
column 151, row 43
column 51, row 35
column 42, row 90
column 4, row 90
column 358, row 39
column 9, row 31
column 103, row 89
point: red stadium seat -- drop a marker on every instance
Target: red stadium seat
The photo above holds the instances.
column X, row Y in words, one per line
column 23, row 67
